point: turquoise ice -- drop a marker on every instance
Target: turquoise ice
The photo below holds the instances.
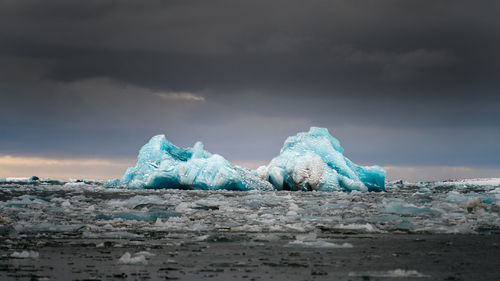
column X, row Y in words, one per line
column 161, row 164
column 314, row 161
column 307, row 161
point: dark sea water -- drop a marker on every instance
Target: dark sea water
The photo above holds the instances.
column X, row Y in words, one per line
column 81, row 230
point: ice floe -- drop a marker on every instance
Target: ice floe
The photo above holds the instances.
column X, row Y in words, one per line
column 91, row 211
column 310, row 240
column 137, row 258
column 396, row 273
column 25, row 255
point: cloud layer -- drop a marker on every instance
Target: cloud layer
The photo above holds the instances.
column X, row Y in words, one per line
column 399, row 83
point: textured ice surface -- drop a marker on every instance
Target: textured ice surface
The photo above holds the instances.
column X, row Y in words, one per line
column 137, row 258
column 95, row 212
column 311, row 240
column 25, row 255
column 396, row 273
column 161, row 164
column 318, row 244
column 307, row 161
column 314, row 161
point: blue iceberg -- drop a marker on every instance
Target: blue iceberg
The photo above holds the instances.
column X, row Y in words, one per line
column 314, row 161
column 161, row 164
column 307, row 161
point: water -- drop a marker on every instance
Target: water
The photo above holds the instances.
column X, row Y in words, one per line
column 88, row 210
column 68, row 231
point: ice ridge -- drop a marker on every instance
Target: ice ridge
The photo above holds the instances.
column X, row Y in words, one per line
column 314, row 161
column 308, row 161
column 161, row 164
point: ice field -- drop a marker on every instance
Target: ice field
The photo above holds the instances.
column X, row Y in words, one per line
column 311, row 213
column 89, row 209
column 52, row 230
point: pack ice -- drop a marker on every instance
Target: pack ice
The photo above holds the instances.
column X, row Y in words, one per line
column 314, row 161
column 307, row 161
column 161, row 164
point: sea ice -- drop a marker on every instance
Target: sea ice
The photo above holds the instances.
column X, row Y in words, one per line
column 402, row 208
column 310, row 240
column 161, row 164
column 396, row 273
column 314, row 161
column 137, row 258
column 25, row 255
column 98, row 213
column 318, row 244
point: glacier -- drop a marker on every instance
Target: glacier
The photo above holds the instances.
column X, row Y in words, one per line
column 314, row 161
column 308, row 161
column 161, row 164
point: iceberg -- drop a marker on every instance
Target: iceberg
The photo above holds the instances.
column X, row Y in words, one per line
column 161, row 164
column 314, row 161
column 307, row 161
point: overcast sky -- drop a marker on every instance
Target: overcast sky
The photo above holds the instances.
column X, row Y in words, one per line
column 402, row 84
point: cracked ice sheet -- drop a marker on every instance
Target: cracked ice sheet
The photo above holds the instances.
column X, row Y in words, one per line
column 89, row 210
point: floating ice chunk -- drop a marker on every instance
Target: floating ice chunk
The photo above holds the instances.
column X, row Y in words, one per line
column 76, row 185
column 25, row 255
column 48, row 227
column 472, row 204
column 183, row 208
column 111, row 235
column 127, row 258
column 314, row 161
column 26, row 201
column 318, row 244
column 424, row 190
column 201, row 238
column 20, row 180
column 354, row 227
column 477, row 182
column 396, row 273
column 456, row 197
column 309, row 240
column 292, row 209
column 137, row 201
column 160, row 223
column 402, row 208
column 144, row 253
column 161, row 164
column 311, row 236
column 139, row 215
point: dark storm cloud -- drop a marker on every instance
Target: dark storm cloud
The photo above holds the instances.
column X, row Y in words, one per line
column 398, row 82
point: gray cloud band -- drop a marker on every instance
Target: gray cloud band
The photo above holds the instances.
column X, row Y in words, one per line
column 400, row 83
